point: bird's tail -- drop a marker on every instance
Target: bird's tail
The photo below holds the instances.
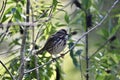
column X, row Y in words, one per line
column 40, row 51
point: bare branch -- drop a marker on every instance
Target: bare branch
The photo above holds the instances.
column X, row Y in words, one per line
column 38, row 67
column 33, row 36
column 22, row 55
column 7, row 70
column 23, row 46
column 3, row 8
column 3, row 35
column 19, row 23
column 9, row 51
column 103, row 45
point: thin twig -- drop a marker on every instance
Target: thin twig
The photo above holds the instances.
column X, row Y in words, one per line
column 37, row 36
column 7, row 70
column 86, row 52
column 2, row 6
column 3, row 9
column 3, row 35
column 20, row 24
column 23, row 46
column 38, row 67
column 22, row 55
column 103, row 45
column 9, row 51
column 33, row 36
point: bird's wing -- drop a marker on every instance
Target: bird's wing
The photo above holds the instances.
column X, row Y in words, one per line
column 49, row 42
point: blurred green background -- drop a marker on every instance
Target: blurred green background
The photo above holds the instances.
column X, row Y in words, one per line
column 50, row 16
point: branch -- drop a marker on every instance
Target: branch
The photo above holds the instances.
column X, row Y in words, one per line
column 103, row 45
column 98, row 25
column 7, row 70
column 3, row 35
column 86, row 50
column 3, row 8
column 33, row 36
column 22, row 55
column 23, row 46
column 19, row 24
column 9, row 51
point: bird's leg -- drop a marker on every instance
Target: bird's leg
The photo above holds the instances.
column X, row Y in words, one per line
column 62, row 55
column 54, row 58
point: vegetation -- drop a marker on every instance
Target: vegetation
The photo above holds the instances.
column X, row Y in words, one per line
column 93, row 46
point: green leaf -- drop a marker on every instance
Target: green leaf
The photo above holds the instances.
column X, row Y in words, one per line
column 7, row 14
column 60, row 24
column 23, row 2
column 104, row 33
column 74, row 59
column 75, row 62
column 17, row 15
column 6, row 78
column 78, row 52
column 80, row 45
column 86, row 3
column 4, row 18
column 66, row 17
column 71, row 51
column 55, row 2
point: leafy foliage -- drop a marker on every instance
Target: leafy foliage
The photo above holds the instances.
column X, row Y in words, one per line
column 49, row 16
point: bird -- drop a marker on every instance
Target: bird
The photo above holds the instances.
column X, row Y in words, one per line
column 55, row 43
